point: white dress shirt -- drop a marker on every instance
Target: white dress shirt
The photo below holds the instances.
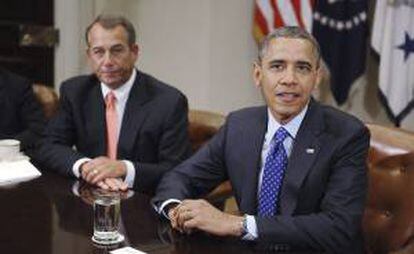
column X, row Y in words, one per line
column 121, row 94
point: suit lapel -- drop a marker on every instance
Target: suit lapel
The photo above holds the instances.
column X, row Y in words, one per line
column 134, row 115
column 252, row 155
column 95, row 120
column 305, row 150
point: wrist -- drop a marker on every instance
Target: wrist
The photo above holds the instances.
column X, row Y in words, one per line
column 81, row 167
column 169, row 210
column 122, row 169
column 237, row 228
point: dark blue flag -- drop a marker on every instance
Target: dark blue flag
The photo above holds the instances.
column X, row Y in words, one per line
column 341, row 28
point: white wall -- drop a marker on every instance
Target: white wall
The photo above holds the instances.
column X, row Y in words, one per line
column 198, row 47
column 204, row 48
column 71, row 18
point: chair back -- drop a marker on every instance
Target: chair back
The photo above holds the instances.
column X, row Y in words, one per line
column 388, row 222
column 203, row 125
column 47, row 98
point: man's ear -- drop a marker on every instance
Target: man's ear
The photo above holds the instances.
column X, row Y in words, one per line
column 319, row 76
column 87, row 56
column 323, row 77
column 135, row 50
column 257, row 74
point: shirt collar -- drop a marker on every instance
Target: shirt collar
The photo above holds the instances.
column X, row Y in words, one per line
column 121, row 92
column 292, row 127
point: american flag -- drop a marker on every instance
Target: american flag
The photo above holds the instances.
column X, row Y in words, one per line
column 270, row 14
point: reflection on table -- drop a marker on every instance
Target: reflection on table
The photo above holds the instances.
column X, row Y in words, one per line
column 54, row 215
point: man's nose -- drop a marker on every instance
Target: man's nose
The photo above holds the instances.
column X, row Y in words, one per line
column 289, row 77
column 107, row 59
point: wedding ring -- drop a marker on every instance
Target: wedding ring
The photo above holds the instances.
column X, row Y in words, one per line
column 95, row 172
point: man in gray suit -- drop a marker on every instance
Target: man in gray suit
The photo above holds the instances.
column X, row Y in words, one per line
column 297, row 168
column 128, row 128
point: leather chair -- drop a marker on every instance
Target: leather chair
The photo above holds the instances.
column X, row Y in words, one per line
column 388, row 222
column 47, row 98
column 203, row 125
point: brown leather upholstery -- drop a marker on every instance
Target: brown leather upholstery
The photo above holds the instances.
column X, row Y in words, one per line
column 389, row 215
column 203, row 126
column 47, row 98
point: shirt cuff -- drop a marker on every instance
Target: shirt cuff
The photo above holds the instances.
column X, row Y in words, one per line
column 77, row 164
column 130, row 175
column 164, row 204
column 251, row 233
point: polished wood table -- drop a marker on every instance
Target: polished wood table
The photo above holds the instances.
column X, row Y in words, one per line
column 52, row 214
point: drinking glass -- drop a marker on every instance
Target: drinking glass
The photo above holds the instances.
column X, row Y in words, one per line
column 107, row 208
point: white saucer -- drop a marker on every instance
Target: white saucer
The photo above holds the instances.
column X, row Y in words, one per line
column 18, row 157
column 120, row 239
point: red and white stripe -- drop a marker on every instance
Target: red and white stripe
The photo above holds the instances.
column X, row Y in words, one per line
column 270, row 14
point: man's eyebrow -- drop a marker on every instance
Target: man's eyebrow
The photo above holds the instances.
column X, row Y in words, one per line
column 274, row 61
column 117, row 45
column 113, row 46
column 304, row 63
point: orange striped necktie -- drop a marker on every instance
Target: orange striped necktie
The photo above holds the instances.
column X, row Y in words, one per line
column 111, row 125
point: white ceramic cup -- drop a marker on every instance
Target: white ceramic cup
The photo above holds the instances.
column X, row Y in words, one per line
column 9, row 149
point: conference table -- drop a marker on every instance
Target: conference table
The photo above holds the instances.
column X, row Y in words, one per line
column 53, row 214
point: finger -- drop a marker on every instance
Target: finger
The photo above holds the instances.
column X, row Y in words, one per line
column 116, row 184
column 184, row 217
column 90, row 174
column 100, row 176
column 173, row 220
column 111, row 184
column 180, row 218
column 102, row 172
column 123, row 186
column 172, row 212
column 175, row 226
column 102, row 185
column 86, row 169
column 181, row 208
column 189, row 226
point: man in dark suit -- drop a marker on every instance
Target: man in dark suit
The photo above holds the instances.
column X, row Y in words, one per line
column 128, row 127
column 21, row 115
column 297, row 168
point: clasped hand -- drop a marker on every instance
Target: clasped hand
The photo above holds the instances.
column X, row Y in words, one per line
column 105, row 173
column 193, row 215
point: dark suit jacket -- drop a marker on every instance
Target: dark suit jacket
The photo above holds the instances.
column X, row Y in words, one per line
column 21, row 115
column 323, row 193
column 153, row 134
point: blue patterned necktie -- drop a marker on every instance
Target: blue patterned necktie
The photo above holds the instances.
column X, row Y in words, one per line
column 274, row 168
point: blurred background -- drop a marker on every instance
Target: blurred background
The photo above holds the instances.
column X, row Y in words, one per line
column 203, row 47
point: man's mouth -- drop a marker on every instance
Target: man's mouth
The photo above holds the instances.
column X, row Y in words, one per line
column 110, row 71
column 287, row 96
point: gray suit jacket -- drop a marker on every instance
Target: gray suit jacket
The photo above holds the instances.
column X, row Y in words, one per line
column 324, row 187
column 153, row 135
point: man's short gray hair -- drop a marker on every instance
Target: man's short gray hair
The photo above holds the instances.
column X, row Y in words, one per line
column 108, row 21
column 293, row 32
